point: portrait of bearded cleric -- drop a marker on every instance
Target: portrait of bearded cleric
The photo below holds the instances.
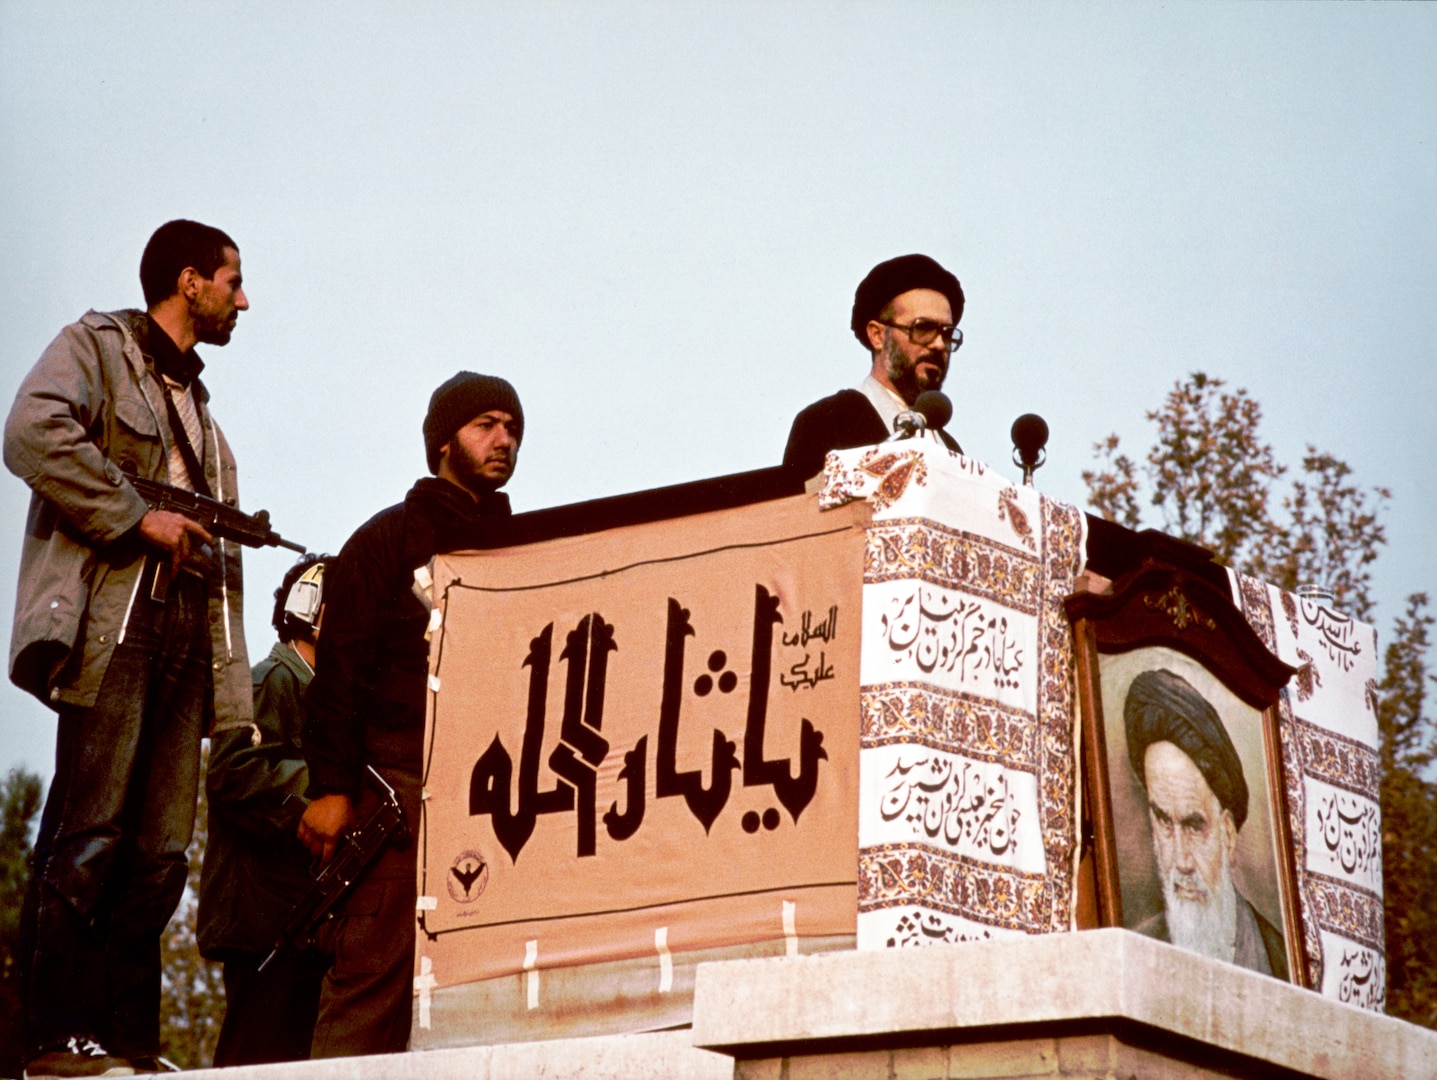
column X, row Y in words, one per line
column 1192, row 812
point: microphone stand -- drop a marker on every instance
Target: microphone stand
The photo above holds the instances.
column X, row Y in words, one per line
column 907, row 425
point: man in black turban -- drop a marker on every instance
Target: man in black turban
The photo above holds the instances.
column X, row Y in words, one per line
column 1197, row 802
column 906, row 314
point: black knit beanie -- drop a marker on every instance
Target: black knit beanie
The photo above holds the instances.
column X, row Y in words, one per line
column 459, row 400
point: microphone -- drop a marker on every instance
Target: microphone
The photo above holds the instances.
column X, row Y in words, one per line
column 931, row 411
column 1030, row 436
column 937, row 410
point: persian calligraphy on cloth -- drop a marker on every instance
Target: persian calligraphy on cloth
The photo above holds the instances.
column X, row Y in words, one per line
column 641, row 752
column 967, row 769
column 1327, row 719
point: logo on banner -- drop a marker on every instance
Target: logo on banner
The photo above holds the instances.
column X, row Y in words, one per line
column 468, row 875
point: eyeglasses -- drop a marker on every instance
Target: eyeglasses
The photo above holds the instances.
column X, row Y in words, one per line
column 926, row 331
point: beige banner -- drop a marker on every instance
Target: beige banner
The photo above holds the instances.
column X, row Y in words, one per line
column 643, row 740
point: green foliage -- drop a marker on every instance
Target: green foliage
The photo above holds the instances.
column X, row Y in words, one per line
column 1409, row 819
column 19, row 803
column 192, row 1000
column 192, row 993
column 1332, row 535
column 1209, row 472
column 1212, row 479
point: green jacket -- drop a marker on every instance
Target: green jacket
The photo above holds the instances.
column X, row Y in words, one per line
column 255, row 870
column 91, row 405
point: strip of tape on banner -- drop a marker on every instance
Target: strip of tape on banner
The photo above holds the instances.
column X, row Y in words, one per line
column 790, row 928
column 531, row 972
column 426, row 903
column 423, row 587
column 424, row 984
column 434, row 683
column 666, row 960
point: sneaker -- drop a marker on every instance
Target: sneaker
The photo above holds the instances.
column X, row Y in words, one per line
column 76, row 1057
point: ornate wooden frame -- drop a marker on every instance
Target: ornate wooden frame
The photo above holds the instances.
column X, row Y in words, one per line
column 1162, row 605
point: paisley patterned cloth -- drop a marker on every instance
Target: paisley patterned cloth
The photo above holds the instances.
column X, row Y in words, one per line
column 967, row 765
column 1327, row 720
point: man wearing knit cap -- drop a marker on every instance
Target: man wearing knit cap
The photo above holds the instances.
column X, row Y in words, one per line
column 1197, row 803
column 906, row 314
column 366, row 704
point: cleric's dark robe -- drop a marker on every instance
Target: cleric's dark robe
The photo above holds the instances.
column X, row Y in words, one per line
column 844, row 420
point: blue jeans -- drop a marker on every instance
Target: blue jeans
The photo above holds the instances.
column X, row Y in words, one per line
column 110, row 862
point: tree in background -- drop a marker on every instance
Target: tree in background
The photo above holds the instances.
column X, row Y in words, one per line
column 1212, row 478
column 1214, row 481
column 19, row 803
column 192, row 992
column 192, row 997
column 1409, row 819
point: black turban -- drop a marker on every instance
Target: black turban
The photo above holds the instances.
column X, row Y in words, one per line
column 1163, row 707
column 897, row 276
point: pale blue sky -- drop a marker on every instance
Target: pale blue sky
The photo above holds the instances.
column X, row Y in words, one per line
column 651, row 218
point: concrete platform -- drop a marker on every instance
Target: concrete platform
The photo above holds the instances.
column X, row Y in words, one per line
column 1098, row 1005
column 652, row 1056
column 1093, row 1004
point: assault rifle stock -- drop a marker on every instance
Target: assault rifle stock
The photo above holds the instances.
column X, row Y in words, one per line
column 218, row 518
column 357, row 851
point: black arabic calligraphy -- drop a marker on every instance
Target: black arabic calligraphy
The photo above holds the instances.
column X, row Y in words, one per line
column 825, row 631
column 802, row 677
column 957, row 801
column 1336, row 631
column 1363, row 982
column 928, row 928
column 939, row 632
column 1350, row 831
column 489, row 783
column 575, row 761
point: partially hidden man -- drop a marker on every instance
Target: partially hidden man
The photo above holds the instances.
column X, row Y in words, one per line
column 366, row 704
column 906, row 314
column 138, row 669
column 255, row 868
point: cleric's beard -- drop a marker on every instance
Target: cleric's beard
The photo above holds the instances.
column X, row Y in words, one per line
column 903, row 375
column 1207, row 926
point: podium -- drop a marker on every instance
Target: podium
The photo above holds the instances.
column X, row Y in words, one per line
column 731, row 720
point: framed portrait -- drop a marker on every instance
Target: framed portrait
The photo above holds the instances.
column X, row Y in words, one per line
column 1185, row 822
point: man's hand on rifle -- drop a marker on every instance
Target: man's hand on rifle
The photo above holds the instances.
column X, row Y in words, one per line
column 174, row 533
column 324, row 822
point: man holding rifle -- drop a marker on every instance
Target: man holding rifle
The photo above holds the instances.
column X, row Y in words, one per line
column 128, row 623
column 365, row 707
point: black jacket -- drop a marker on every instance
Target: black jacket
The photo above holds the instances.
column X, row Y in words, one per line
column 366, row 703
column 839, row 422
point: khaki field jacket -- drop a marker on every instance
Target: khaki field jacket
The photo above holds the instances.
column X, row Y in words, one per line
column 91, row 408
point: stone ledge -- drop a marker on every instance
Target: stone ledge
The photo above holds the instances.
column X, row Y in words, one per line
column 794, row 1006
column 656, row 1056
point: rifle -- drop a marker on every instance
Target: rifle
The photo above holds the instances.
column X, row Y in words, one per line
column 219, row 519
column 358, row 850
